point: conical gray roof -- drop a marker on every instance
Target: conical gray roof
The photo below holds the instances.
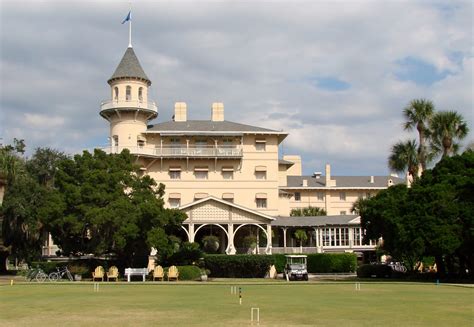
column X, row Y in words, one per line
column 129, row 66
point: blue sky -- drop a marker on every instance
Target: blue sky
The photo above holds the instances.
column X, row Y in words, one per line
column 334, row 74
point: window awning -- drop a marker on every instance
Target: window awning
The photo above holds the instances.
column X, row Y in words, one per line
column 141, row 138
column 175, row 196
column 261, row 195
column 227, row 195
column 260, row 141
column 175, row 169
column 261, row 168
column 200, row 195
column 201, row 169
column 227, row 168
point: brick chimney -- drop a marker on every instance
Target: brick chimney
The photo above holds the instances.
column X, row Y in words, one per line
column 180, row 111
column 217, row 111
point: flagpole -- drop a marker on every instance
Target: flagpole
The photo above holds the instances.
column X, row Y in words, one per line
column 130, row 28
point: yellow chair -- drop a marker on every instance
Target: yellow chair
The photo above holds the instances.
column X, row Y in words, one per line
column 113, row 273
column 158, row 273
column 98, row 273
column 173, row 273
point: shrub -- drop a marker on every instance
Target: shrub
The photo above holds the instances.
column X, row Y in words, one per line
column 79, row 269
column 238, row 266
column 189, row 272
column 279, row 262
column 332, row 262
column 378, row 270
column 210, row 243
column 188, row 254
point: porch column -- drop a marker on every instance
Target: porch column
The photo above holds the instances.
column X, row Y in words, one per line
column 316, row 233
column 351, row 237
column 268, row 250
column 230, row 239
column 284, row 237
column 320, row 238
column 191, row 233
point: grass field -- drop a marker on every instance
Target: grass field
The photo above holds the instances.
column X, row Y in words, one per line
column 211, row 304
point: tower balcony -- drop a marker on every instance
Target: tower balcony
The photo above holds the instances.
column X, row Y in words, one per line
column 128, row 105
column 220, row 151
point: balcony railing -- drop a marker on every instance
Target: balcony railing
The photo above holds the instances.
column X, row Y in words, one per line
column 114, row 104
column 219, row 151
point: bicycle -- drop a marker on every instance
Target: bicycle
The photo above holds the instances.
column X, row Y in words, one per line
column 36, row 274
column 59, row 274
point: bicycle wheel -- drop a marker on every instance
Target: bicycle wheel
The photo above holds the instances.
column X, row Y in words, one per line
column 53, row 277
column 40, row 277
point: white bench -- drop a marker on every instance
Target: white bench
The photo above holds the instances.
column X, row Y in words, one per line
column 136, row 272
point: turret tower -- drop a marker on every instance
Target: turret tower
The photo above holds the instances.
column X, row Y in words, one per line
column 129, row 110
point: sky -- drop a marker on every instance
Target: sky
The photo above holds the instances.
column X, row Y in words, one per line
column 335, row 75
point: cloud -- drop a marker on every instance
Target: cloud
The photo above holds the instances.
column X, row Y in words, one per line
column 255, row 57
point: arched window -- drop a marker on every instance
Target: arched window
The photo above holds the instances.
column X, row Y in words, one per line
column 140, row 94
column 116, row 93
column 128, row 93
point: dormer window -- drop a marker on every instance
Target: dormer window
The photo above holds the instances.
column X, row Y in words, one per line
column 116, row 93
column 140, row 94
column 128, row 93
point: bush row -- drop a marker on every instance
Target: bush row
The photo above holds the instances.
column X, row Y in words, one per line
column 254, row 266
column 238, row 266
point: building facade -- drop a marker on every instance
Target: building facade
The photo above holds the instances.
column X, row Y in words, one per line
column 229, row 177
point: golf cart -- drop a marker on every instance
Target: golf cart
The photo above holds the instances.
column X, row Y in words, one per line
column 296, row 267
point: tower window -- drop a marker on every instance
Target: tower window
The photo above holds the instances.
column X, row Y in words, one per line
column 140, row 94
column 116, row 93
column 128, row 94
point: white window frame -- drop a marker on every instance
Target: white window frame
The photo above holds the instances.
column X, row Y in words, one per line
column 261, row 175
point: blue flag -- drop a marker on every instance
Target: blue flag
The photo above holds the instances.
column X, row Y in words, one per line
column 128, row 18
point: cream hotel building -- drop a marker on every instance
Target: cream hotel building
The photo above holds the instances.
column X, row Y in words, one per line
column 229, row 178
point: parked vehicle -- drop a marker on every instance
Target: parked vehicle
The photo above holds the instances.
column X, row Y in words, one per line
column 296, row 267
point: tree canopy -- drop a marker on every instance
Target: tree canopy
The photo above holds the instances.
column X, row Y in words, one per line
column 102, row 205
column 433, row 218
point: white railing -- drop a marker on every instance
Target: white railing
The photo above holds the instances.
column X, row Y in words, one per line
column 341, row 248
column 224, row 151
column 113, row 104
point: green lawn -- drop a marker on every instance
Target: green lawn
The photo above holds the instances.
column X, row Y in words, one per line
column 211, row 304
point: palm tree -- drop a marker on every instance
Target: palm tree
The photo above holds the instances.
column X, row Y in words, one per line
column 447, row 127
column 309, row 211
column 404, row 157
column 418, row 114
column 301, row 236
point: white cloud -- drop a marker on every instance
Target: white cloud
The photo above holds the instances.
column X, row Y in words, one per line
column 256, row 57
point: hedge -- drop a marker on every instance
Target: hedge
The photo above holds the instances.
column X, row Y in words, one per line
column 189, row 273
column 332, row 262
column 256, row 266
column 238, row 266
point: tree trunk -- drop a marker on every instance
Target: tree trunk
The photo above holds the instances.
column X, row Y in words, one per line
column 3, row 261
column 447, row 144
column 421, row 149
